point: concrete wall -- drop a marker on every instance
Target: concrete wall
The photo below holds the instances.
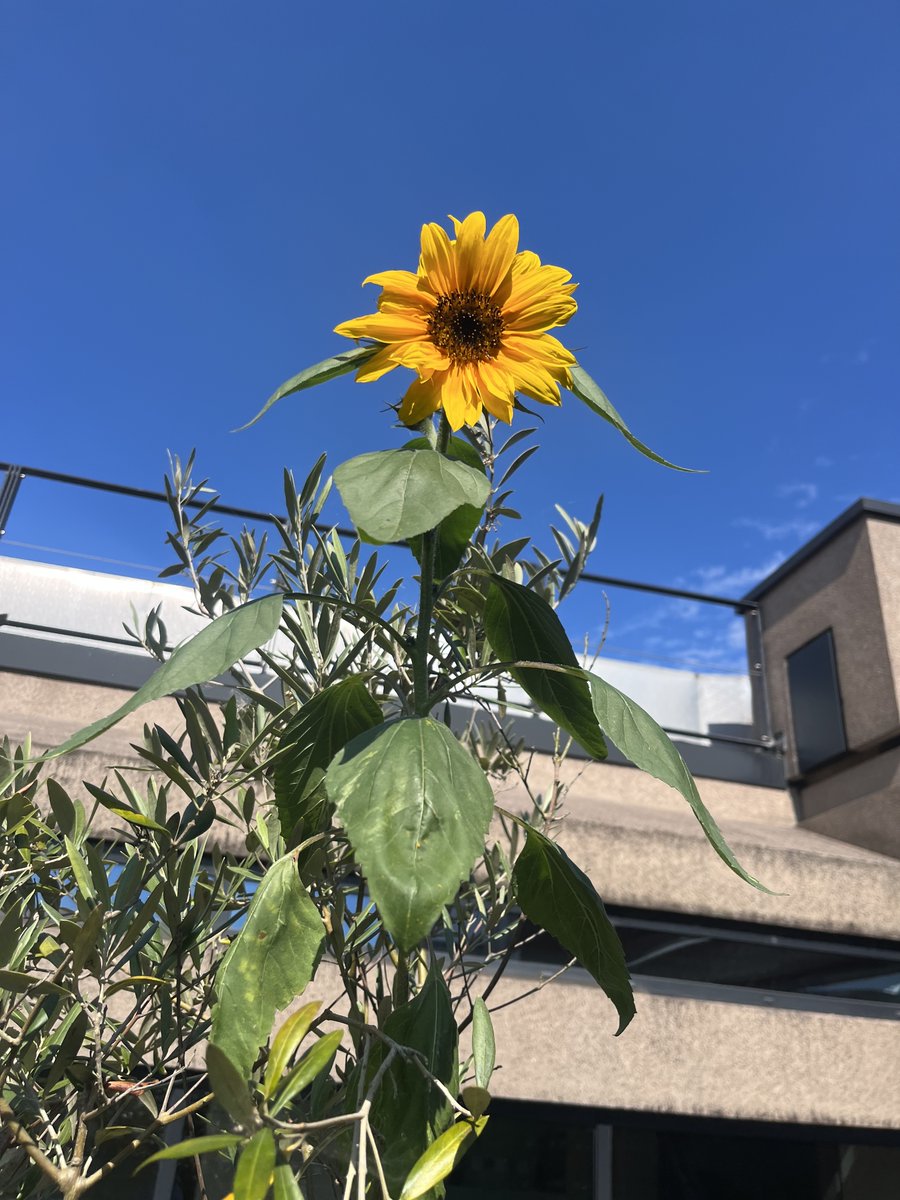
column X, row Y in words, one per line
column 835, row 588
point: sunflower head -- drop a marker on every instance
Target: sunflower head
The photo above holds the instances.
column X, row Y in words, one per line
column 472, row 322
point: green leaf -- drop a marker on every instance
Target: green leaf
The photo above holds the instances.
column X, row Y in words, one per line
column 309, row 742
column 590, row 393
column 416, row 807
column 271, row 961
column 285, row 1185
column 441, row 1158
column 392, row 495
column 560, row 898
column 645, row 744
column 455, row 532
column 19, row 981
column 476, row 1099
column 62, row 807
column 321, row 372
column 314, row 1062
column 208, row 654
column 197, row 1145
column 483, row 1047
column 230, row 1087
column 136, row 818
column 285, row 1042
column 521, row 626
column 408, row 1111
column 253, row 1176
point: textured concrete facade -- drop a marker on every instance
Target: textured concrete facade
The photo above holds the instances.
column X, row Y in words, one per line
column 850, row 584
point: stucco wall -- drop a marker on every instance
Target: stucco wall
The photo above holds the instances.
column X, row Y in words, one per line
column 835, row 588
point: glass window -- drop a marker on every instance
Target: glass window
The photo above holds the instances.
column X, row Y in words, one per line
column 816, row 710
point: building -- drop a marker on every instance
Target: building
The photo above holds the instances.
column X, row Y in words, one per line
column 765, row 1058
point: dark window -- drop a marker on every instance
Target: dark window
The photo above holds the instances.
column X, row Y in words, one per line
column 816, row 702
column 681, row 946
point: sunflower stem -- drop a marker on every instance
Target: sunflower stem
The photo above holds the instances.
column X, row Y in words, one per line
column 421, row 697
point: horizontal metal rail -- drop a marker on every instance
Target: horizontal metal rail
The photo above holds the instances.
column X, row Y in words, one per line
column 7, row 622
column 250, row 514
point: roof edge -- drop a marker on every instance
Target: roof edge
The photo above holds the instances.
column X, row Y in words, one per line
column 864, row 507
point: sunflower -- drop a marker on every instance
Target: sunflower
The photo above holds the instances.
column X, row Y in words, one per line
column 472, row 323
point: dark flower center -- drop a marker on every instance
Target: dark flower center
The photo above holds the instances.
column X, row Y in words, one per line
column 466, row 326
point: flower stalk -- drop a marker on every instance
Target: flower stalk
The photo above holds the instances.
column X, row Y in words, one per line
column 421, row 697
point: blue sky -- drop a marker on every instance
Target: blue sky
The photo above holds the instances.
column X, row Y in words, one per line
column 193, row 194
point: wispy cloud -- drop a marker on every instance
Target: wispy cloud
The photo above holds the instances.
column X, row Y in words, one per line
column 823, row 461
column 773, row 531
column 856, row 358
column 734, row 579
column 803, row 494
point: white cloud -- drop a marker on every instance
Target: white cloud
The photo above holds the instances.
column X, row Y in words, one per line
column 773, row 531
column 803, row 494
column 724, row 579
column 823, row 461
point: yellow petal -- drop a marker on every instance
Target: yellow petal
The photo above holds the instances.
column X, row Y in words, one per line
column 497, row 390
column 422, row 399
column 531, row 378
column 395, row 281
column 540, row 314
column 423, row 357
column 437, row 261
column 379, row 364
column 384, row 327
column 459, row 397
column 498, row 254
column 469, row 251
column 542, row 347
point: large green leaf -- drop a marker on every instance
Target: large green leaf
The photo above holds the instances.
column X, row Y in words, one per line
column 270, row 962
column 590, row 393
column 455, row 532
column 208, row 654
column 392, row 495
column 441, row 1158
column 321, row 372
column 416, row 807
column 409, row 1112
column 560, row 898
column 645, row 744
column 310, row 741
column 522, row 627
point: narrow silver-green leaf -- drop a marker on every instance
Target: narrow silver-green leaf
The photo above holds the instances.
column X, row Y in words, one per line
column 393, row 495
column 590, row 393
column 645, row 744
column 285, row 1042
column 253, row 1176
column 313, row 1063
column 285, row 1186
column 483, row 1046
column 522, row 627
column 416, row 807
column 559, row 897
column 230, row 1086
column 270, row 962
column 321, row 372
column 210, row 653
column 197, row 1145
column 441, row 1158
